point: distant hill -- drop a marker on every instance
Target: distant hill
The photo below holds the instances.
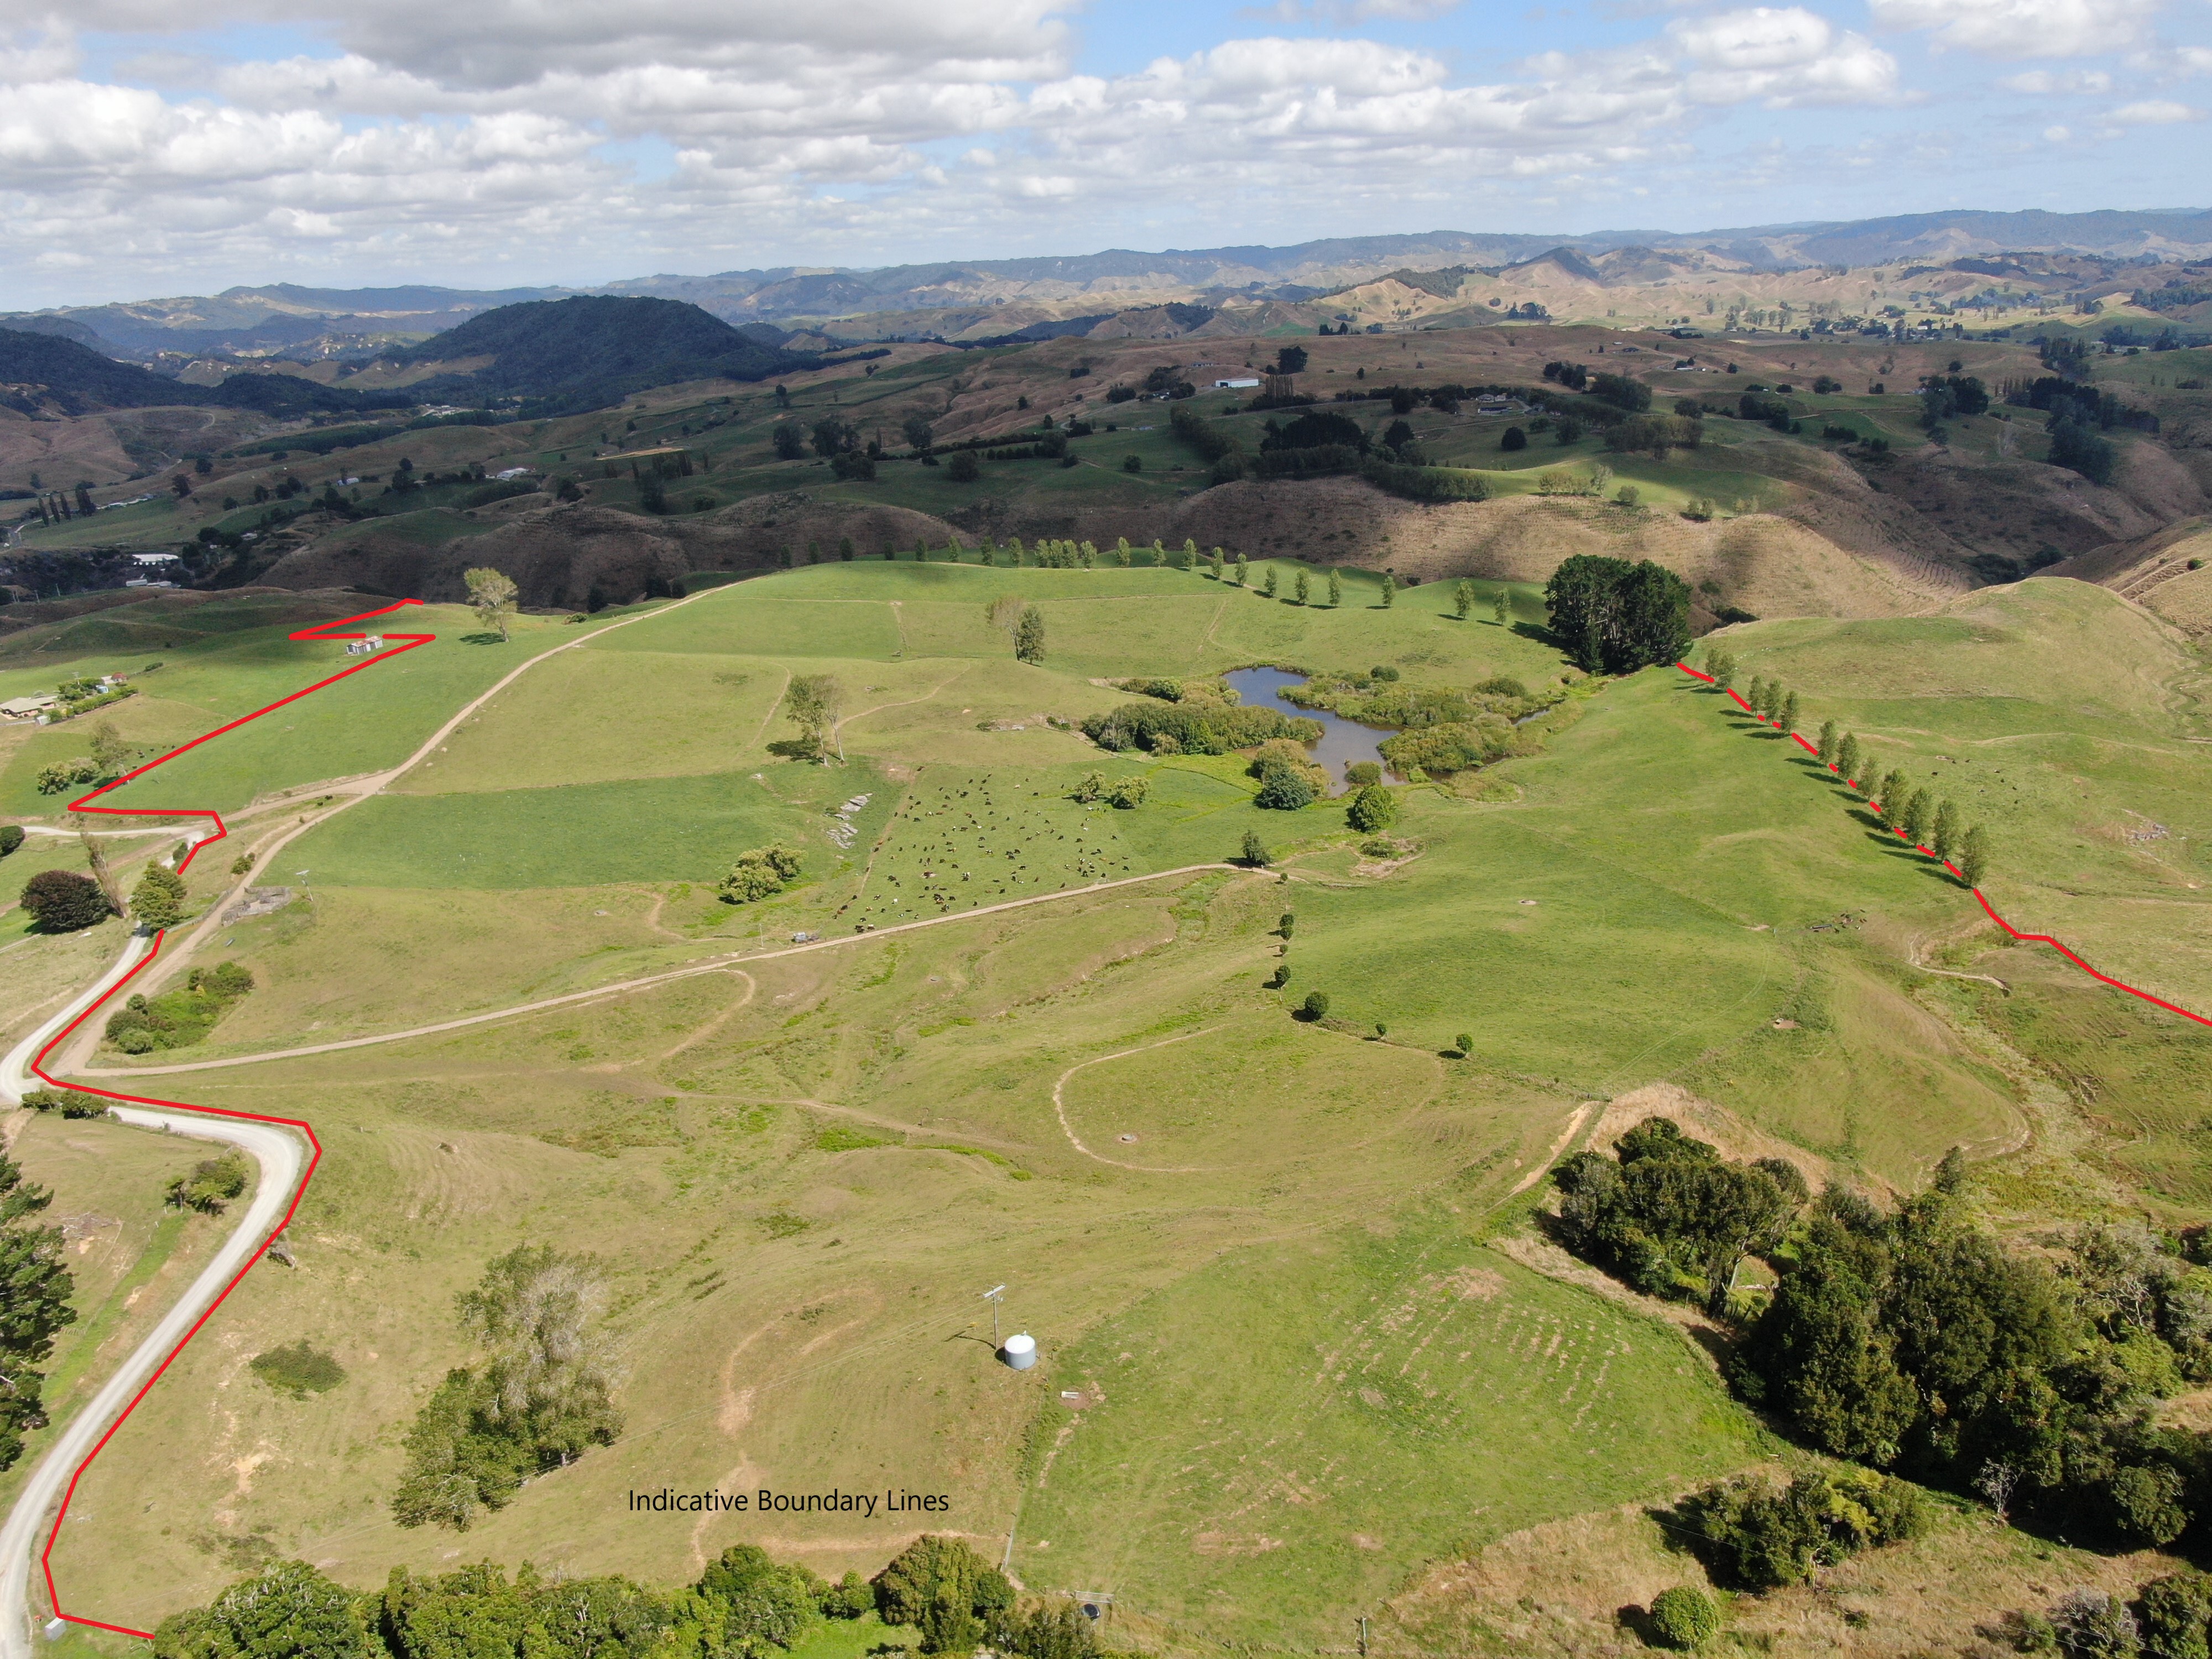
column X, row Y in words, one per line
column 562, row 355
column 44, row 373
column 279, row 316
column 952, row 298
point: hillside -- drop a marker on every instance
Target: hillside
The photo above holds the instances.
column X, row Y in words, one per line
column 797, row 1170
column 46, row 374
column 581, row 353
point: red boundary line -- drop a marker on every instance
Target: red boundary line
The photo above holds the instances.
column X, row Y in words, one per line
column 1979, row 896
column 404, row 642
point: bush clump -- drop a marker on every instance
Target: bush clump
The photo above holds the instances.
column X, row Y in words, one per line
column 1193, row 728
column 69, row 1102
column 1764, row 1537
column 940, row 1585
column 210, row 1186
column 760, row 872
column 176, row 1019
column 542, row 1396
column 1670, row 1215
column 1124, row 793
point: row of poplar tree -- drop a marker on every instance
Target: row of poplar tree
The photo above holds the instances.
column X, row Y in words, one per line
column 1932, row 823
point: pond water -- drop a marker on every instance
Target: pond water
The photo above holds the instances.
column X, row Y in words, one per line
column 1343, row 742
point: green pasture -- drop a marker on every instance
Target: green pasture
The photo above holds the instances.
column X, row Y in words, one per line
column 669, row 829
column 209, row 675
column 1272, row 1445
column 2050, row 713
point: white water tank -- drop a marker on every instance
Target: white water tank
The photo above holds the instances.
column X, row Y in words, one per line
column 1020, row 1351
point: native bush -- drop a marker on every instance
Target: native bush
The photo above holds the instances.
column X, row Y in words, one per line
column 1763, row 1537
column 942, row 1586
column 1195, row 727
column 1672, row 1217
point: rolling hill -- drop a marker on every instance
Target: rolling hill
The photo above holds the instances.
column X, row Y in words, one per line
column 44, row 373
column 567, row 356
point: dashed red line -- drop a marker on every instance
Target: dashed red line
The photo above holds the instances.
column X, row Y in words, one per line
column 1980, row 897
column 401, row 643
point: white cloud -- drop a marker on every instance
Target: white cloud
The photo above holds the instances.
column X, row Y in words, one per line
column 485, row 128
column 2154, row 112
column 2022, row 28
column 2045, row 82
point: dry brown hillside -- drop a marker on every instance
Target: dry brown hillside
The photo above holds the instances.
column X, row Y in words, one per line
column 558, row 555
column 2169, row 573
column 1769, row 566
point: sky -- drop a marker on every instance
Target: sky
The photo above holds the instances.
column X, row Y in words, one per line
column 489, row 143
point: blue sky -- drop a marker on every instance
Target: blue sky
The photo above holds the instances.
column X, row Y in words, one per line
column 511, row 142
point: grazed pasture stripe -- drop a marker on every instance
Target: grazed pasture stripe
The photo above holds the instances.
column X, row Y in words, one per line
column 1980, row 897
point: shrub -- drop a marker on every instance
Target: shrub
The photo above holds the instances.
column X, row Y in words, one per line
column 759, row 873
column 2176, row 1611
column 69, row 1102
column 1282, row 789
column 298, row 1371
column 1056, row 1631
column 159, row 901
column 210, row 1186
column 1255, row 852
column 1360, row 774
column 1317, row 1005
column 1684, row 1617
column 11, row 837
column 1129, row 793
column 2091, row 1624
column 1373, row 809
column 964, row 467
column 1513, row 438
column 61, row 901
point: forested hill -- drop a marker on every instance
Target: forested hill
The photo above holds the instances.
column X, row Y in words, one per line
column 585, row 353
column 43, row 373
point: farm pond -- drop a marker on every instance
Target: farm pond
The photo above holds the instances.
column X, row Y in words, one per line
column 1343, row 742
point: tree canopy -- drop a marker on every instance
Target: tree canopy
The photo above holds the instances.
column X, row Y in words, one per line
column 35, row 1306
column 1615, row 617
